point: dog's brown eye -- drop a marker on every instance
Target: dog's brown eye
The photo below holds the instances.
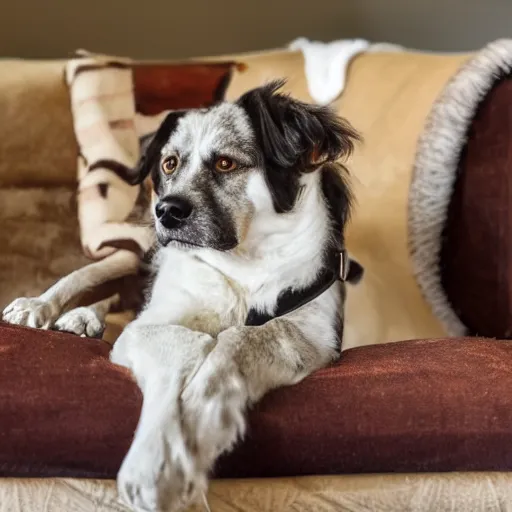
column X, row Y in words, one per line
column 225, row 164
column 169, row 164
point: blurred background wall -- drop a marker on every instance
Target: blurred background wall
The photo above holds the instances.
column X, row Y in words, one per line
column 151, row 29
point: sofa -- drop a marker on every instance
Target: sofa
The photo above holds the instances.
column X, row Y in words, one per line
column 416, row 414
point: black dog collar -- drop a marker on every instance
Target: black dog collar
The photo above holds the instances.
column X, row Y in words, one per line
column 289, row 300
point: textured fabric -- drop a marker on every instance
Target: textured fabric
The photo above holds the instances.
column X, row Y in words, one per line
column 427, row 492
column 411, row 406
column 160, row 87
column 433, row 405
column 40, row 243
column 435, row 172
column 65, row 409
column 477, row 248
column 36, row 129
column 114, row 103
column 39, row 240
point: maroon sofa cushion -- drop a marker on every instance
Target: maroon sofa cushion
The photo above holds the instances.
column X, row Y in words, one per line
column 411, row 406
column 159, row 87
column 476, row 257
column 65, row 410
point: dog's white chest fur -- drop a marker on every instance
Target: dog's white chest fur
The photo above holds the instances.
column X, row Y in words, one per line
column 197, row 293
column 218, row 289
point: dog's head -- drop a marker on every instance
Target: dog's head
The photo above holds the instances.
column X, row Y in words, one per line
column 215, row 169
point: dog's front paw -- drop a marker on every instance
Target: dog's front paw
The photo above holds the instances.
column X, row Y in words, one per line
column 214, row 404
column 82, row 322
column 159, row 473
column 31, row 312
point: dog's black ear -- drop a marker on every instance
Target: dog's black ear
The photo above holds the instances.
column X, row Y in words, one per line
column 294, row 137
column 339, row 198
column 152, row 145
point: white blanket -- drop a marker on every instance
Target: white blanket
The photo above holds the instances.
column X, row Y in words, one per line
column 326, row 63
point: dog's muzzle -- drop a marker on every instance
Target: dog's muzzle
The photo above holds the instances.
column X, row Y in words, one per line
column 172, row 211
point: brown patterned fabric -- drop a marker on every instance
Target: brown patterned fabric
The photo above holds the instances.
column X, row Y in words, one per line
column 477, row 251
column 412, row 406
column 159, row 87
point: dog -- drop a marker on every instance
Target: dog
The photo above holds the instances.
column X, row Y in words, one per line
column 248, row 284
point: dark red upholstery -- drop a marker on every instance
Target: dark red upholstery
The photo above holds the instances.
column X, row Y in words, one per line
column 441, row 405
column 477, row 249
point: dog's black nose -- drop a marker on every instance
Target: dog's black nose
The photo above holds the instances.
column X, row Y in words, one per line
column 170, row 211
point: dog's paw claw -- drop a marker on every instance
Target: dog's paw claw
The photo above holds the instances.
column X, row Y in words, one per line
column 30, row 312
column 82, row 322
